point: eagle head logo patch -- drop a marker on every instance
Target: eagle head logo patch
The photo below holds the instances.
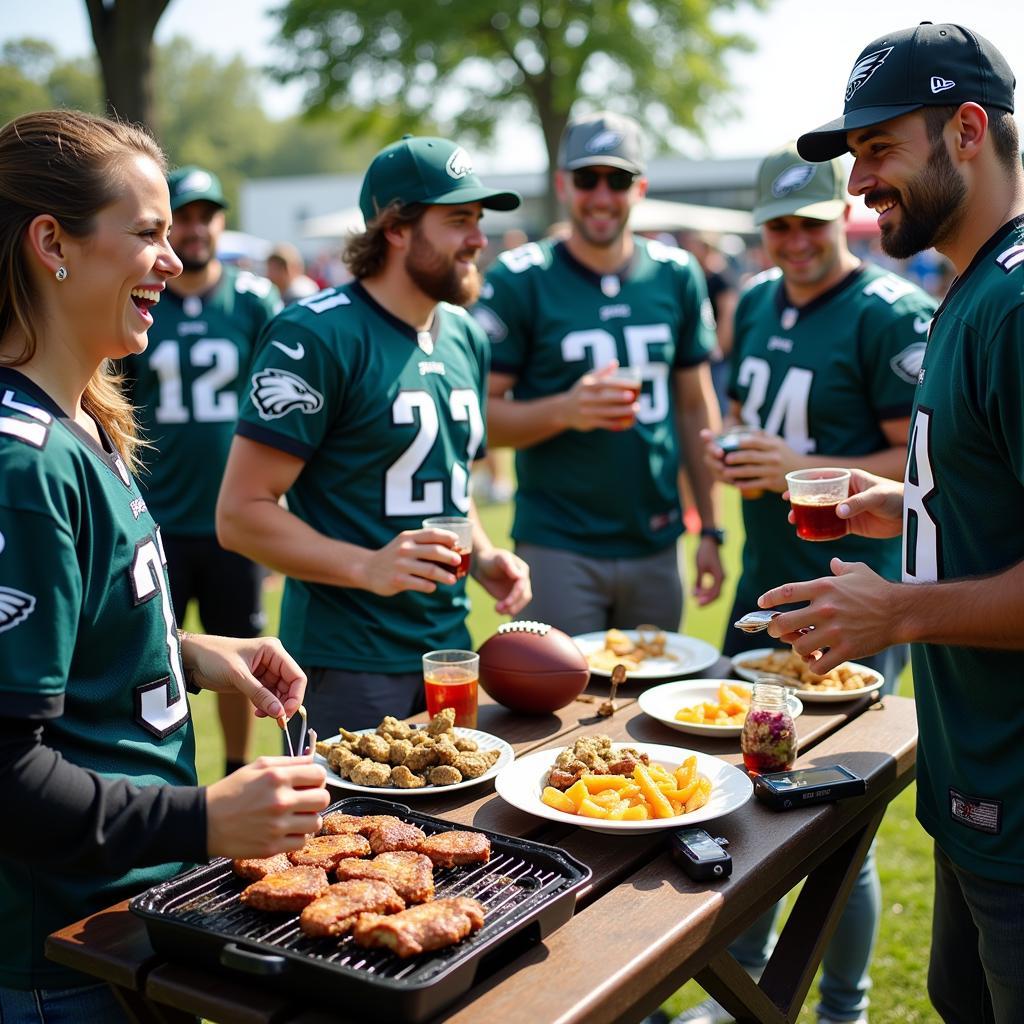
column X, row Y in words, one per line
column 907, row 364
column 604, row 141
column 275, row 393
column 792, row 179
column 459, row 164
column 15, row 607
column 864, row 69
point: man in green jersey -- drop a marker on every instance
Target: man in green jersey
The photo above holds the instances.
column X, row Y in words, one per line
column 928, row 118
column 825, row 356
column 597, row 503
column 186, row 387
column 366, row 407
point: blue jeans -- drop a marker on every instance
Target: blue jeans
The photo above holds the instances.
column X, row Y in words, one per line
column 845, row 980
column 92, row 1004
column 976, row 970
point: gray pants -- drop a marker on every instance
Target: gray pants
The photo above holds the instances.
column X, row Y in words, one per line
column 579, row 594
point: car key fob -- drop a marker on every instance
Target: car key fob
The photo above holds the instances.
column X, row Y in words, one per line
column 699, row 855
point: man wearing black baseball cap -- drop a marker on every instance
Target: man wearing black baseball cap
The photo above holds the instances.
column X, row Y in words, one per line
column 928, row 119
column 600, row 374
column 366, row 406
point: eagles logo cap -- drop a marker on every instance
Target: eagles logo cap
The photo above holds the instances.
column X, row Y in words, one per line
column 790, row 186
column 193, row 184
column 419, row 169
column 927, row 66
column 604, row 139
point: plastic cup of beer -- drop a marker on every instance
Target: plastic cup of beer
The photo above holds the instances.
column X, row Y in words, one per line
column 814, row 495
column 733, row 441
column 629, row 378
column 463, row 530
column 450, row 681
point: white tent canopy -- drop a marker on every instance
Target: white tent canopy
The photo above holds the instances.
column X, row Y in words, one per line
column 334, row 225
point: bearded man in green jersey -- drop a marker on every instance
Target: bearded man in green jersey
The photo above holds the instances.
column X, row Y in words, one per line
column 186, row 387
column 597, row 502
column 928, row 119
column 825, row 356
column 366, row 408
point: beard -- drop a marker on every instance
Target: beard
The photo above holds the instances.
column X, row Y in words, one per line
column 931, row 207
column 436, row 274
column 196, row 259
column 598, row 241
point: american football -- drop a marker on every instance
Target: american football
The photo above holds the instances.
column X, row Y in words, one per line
column 532, row 667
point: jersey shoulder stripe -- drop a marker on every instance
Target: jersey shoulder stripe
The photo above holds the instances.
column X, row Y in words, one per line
column 1010, row 259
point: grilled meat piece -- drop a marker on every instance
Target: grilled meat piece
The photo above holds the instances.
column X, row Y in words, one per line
column 410, row 874
column 421, row 929
column 339, row 824
column 395, row 836
column 255, row 868
column 325, row 851
column 335, row 912
column 447, row 849
column 290, row 890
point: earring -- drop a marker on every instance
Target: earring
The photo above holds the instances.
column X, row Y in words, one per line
column 61, row 274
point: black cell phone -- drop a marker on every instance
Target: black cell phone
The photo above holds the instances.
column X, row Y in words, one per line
column 803, row 786
column 700, row 856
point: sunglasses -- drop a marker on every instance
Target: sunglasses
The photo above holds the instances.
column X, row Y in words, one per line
column 586, row 179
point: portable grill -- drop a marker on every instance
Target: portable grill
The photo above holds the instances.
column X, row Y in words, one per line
column 527, row 890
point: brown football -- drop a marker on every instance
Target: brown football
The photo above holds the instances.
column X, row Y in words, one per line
column 532, row 667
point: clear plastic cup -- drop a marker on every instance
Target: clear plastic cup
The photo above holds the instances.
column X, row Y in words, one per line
column 814, row 495
column 450, row 680
column 463, row 530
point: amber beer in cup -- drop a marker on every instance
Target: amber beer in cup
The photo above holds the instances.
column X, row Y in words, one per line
column 450, row 681
column 814, row 495
column 629, row 379
column 463, row 530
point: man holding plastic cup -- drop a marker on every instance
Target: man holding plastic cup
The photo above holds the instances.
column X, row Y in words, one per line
column 366, row 407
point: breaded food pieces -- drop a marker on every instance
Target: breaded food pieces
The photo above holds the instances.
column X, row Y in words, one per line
column 335, row 912
column 422, row 756
column 255, row 868
column 403, row 778
column 370, row 773
column 444, row 775
column 465, row 744
column 442, row 722
column 339, row 824
column 399, row 751
column 420, row 737
column 392, row 729
column 475, row 763
column 410, row 874
column 395, row 836
column 448, row 849
column 447, row 752
column 341, row 760
column 325, row 851
column 373, row 746
column 290, row 890
column 348, row 737
column 423, row 928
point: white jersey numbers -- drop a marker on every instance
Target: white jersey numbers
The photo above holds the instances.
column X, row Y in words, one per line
column 787, row 417
column 209, row 404
column 160, row 706
column 404, row 494
column 920, row 531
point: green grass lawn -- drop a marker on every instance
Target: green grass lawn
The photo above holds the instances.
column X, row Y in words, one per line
column 904, row 850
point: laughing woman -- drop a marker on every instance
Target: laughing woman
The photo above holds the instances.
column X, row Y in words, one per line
column 96, row 741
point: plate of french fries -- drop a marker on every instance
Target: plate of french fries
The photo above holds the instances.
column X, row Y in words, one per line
column 650, row 797
column 704, row 707
column 845, row 682
column 645, row 652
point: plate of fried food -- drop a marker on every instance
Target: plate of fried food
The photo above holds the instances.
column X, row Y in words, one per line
column 845, row 682
column 616, row 788
column 704, row 707
column 645, row 652
column 398, row 759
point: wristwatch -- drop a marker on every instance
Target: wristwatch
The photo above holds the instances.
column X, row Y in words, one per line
column 716, row 534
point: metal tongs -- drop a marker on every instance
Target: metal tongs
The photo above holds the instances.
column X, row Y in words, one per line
column 755, row 622
column 300, row 748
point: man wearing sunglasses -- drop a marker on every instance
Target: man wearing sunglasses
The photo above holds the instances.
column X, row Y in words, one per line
column 600, row 347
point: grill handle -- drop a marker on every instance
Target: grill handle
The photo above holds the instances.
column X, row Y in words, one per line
column 240, row 959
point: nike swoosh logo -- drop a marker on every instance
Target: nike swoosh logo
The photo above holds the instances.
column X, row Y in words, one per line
column 295, row 352
column 920, row 326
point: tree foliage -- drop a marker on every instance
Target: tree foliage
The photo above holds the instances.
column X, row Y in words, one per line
column 466, row 63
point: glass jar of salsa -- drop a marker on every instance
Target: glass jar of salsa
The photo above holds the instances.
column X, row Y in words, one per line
column 768, row 739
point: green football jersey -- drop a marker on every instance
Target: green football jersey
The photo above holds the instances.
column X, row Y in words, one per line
column 388, row 422
column 187, row 386
column 963, row 495
column 89, row 647
column 824, row 377
column 602, row 493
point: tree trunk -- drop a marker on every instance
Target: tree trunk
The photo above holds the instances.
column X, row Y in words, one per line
column 122, row 31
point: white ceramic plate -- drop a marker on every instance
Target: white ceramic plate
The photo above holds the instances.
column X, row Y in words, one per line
column 522, row 782
column 811, row 696
column 662, row 702
column 484, row 740
column 689, row 655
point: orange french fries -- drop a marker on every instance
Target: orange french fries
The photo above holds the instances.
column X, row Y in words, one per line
column 657, row 800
